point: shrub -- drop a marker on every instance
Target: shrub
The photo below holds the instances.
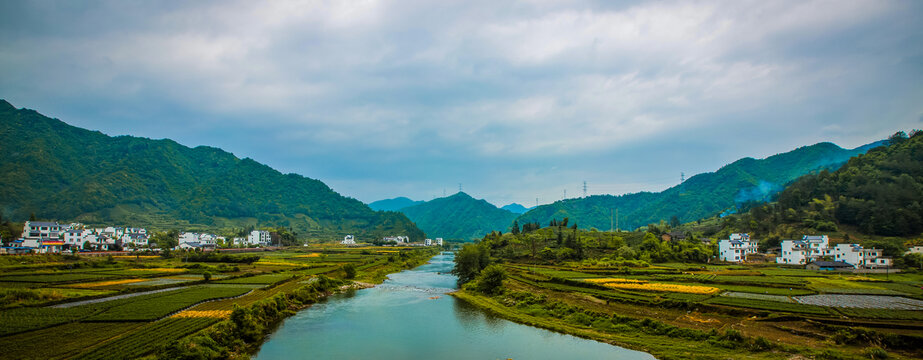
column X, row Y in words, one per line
column 490, row 280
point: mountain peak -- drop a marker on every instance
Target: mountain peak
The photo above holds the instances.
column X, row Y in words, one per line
column 5, row 105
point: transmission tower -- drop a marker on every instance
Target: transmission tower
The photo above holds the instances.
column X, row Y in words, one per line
column 584, row 188
column 565, row 194
column 459, row 187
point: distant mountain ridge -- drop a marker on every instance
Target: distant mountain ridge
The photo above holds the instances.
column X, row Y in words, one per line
column 59, row 171
column 515, row 208
column 459, row 217
column 700, row 196
column 394, row 204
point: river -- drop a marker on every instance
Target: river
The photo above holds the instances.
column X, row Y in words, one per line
column 410, row 316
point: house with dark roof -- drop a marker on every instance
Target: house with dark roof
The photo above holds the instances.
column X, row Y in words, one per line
column 829, row 266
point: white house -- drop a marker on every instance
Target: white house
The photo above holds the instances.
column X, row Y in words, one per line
column 348, row 240
column 736, row 248
column 859, row 257
column 428, row 242
column 915, row 250
column 41, row 230
column 259, row 237
column 439, row 241
column 794, row 252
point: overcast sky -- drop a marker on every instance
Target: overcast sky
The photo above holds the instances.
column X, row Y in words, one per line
column 514, row 100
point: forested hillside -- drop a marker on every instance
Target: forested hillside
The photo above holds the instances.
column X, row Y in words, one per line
column 62, row 172
column 878, row 193
column 459, row 217
column 700, row 196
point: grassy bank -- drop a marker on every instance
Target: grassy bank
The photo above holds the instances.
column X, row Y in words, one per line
column 657, row 317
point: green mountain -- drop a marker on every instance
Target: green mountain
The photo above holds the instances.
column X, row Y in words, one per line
column 515, row 208
column 459, row 217
column 393, row 204
column 879, row 193
column 700, row 196
column 62, row 172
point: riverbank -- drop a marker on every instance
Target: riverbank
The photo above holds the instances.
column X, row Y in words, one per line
column 247, row 328
column 555, row 313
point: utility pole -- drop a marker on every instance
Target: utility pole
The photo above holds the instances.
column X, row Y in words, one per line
column 536, row 202
column 611, row 227
column 443, row 192
column 565, row 194
column 682, row 177
column 584, row 188
column 617, row 219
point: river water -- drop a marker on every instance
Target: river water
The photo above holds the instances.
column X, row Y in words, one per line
column 410, row 316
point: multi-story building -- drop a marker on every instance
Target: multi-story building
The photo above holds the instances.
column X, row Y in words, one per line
column 737, row 247
column 859, row 257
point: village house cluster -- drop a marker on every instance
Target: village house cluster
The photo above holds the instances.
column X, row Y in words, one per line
column 395, row 241
column 812, row 251
column 51, row 237
column 42, row 237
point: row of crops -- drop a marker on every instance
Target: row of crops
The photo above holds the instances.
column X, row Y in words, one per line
column 140, row 308
column 148, row 338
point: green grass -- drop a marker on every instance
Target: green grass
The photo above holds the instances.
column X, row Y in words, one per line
column 67, row 340
column 148, row 338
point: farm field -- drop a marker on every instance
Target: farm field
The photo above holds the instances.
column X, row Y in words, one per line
column 129, row 307
column 807, row 310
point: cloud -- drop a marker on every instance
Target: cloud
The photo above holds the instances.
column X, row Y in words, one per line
column 488, row 94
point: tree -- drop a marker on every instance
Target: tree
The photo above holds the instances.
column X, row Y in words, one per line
column 32, row 217
column 207, row 276
column 350, row 270
column 674, row 222
column 897, row 138
column 490, row 281
column 515, row 229
column 469, row 261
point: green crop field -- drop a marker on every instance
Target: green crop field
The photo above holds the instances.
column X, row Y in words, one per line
column 68, row 340
column 155, row 307
column 30, row 318
column 888, row 314
column 148, row 338
column 769, row 305
column 57, row 278
column 265, row 279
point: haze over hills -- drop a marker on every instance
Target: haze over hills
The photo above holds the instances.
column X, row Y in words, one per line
column 515, row 208
column 62, row 172
column 394, row 204
column 700, row 196
column 459, row 217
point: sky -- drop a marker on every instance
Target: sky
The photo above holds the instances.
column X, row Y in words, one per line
column 511, row 101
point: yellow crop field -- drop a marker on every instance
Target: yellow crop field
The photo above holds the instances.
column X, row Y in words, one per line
column 311, row 255
column 107, row 283
column 219, row 314
column 633, row 284
column 665, row 288
column 175, row 270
